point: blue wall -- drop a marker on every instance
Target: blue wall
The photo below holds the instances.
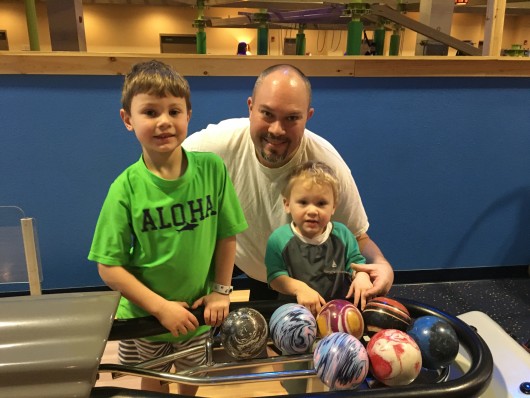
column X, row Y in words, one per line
column 443, row 164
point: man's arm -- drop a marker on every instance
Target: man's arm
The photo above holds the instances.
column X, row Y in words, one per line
column 379, row 269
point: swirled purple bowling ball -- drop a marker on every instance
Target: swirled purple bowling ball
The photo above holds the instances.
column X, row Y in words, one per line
column 341, row 361
column 293, row 329
column 395, row 358
column 385, row 313
column 437, row 340
column 244, row 333
column 340, row 316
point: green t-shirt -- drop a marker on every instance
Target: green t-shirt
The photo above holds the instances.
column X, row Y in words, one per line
column 164, row 232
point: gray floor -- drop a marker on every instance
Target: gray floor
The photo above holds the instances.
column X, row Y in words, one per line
column 506, row 301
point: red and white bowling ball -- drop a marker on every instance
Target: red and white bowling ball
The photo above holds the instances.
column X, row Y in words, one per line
column 395, row 358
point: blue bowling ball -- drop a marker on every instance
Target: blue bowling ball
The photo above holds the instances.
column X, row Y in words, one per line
column 437, row 340
column 293, row 329
column 341, row 361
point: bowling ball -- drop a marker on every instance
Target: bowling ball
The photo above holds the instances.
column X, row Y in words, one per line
column 395, row 358
column 340, row 316
column 244, row 333
column 437, row 340
column 385, row 313
column 293, row 329
column 341, row 361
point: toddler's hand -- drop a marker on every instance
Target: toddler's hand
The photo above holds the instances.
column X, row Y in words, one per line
column 359, row 288
column 381, row 275
column 310, row 299
column 176, row 318
column 216, row 307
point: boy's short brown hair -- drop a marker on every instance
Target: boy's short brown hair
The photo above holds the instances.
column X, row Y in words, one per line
column 156, row 78
column 316, row 172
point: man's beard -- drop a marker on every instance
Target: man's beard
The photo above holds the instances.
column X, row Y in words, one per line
column 272, row 157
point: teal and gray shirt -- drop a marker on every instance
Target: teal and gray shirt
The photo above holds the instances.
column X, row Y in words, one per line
column 325, row 266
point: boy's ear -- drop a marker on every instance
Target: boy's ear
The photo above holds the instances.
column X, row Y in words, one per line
column 126, row 119
column 189, row 115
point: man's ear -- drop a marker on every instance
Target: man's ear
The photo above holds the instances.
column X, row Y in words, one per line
column 249, row 104
column 126, row 118
column 310, row 113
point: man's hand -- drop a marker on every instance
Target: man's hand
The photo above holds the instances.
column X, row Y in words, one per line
column 381, row 275
column 380, row 271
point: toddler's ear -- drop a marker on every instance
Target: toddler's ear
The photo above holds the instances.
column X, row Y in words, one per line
column 286, row 205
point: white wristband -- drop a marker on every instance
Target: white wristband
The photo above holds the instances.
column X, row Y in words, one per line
column 223, row 289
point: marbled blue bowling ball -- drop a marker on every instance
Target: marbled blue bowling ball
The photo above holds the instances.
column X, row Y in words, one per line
column 293, row 329
column 437, row 340
column 341, row 361
column 244, row 333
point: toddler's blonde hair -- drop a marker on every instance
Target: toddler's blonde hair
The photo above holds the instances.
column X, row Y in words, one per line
column 317, row 173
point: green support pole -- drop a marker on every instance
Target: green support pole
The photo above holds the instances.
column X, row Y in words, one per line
column 394, row 43
column 379, row 41
column 300, row 44
column 262, row 18
column 201, row 41
column 395, row 39
column 263, row 40
column 200, row 24
column 31, row 18
column 355, row 34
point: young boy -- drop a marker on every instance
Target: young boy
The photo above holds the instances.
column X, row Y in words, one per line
column 311, row 257
column 165, row 237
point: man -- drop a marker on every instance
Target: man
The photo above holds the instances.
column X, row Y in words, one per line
column 260, row 152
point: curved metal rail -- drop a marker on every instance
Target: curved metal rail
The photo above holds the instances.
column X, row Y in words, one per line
column 469, row 385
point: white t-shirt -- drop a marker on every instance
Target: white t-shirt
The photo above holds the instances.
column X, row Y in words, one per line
column 259, row 188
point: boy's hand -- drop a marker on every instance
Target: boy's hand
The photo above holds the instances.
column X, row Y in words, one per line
column 176, row 318
column 360, row 289
column 310, row 299
column 216, row 307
